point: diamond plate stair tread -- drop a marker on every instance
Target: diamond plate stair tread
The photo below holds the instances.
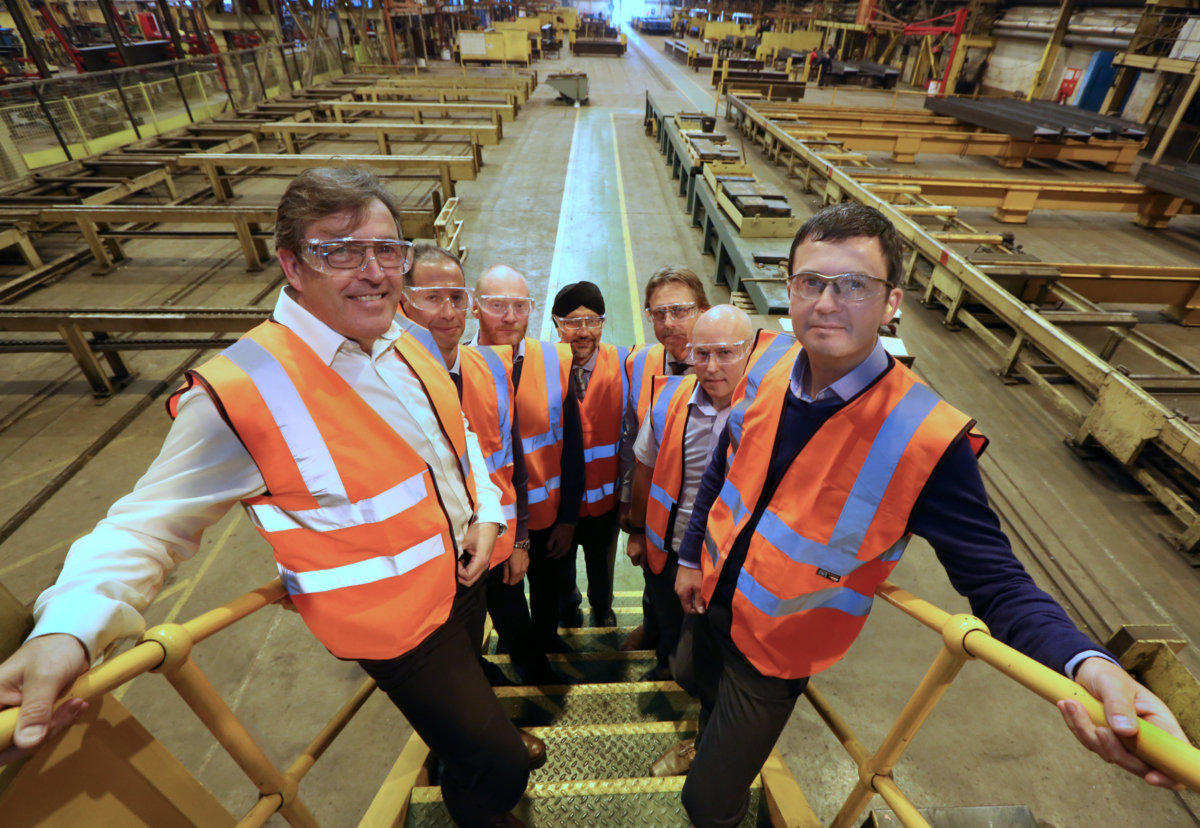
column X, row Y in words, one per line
column 651, row 701
column 631, row 803
column 582, row 639
column 592, row 668
column 605, row 752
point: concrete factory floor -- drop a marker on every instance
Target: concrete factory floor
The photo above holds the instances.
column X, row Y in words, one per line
column 574, row 193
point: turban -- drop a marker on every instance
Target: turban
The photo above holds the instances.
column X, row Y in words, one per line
column 578, row 295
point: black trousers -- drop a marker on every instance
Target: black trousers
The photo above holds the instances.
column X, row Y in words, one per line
column 743, row 713
column 510, row 616
column 441, row 690
column 545, row 579
column 667, row 612
column 598, row 537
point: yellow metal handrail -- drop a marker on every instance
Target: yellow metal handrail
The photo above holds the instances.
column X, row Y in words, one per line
column 166, row 649
column 1152, row 745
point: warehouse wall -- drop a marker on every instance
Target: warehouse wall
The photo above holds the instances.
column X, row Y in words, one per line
column 1014, row 63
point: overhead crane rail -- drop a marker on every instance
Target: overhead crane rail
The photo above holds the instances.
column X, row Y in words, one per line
column 1116, row 414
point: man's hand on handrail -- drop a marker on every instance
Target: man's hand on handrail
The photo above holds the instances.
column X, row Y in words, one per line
column 1124, row 700
column 33, row 678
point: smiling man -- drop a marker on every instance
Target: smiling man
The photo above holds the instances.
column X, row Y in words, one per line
column 674, row 444
column 343, row 439
column 835, row 456
column 601, row 383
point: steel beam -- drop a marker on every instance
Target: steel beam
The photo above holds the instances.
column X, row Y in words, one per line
column 1050, row 53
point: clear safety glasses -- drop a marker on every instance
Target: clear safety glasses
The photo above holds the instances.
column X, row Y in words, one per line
column 848, row 287
column 433, row 299
column 725, row 353
column 578, row 323
column 331, row 255
column 518, row 306
column 679, row 312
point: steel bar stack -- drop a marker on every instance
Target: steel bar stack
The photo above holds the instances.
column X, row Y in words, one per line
column 1181, row 182
column 1036, row 120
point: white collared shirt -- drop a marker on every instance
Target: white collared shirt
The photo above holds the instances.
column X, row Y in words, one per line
column 111, row 575
column 704, row 426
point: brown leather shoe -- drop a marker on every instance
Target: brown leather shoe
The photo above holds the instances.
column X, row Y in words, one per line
column 506, row 821
column 676, row 761
column 634, row 640
column 536, row 748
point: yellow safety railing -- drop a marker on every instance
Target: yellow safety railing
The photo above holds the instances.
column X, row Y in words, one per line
column 167, row 649
column 966, row 638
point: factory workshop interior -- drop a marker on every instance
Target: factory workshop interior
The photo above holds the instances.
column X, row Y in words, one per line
column 1040, row 163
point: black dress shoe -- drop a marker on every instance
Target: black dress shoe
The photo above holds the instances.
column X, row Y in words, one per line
column 536, row 748
column 494, row 674
column 558, row 644
column 543, row 675
column 604, row 619
column 655, row 674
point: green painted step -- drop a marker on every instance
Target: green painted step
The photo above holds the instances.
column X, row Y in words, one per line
column 582, row 639
column 590, row 668
column 608, row 803
column 618, row 751
column 588, row 704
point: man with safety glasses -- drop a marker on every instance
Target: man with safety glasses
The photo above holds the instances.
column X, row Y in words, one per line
column 601, row 384
column 675, row 298
column 673, row 447
column 551, row 434
column 343, row 440
column 435, row 300
column 835, row 456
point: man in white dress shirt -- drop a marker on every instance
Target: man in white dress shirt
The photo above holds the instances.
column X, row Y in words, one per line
column 339, row 245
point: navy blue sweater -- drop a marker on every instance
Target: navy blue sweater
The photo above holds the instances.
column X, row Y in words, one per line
column 952, row 514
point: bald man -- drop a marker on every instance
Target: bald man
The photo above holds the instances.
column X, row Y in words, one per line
column 673, row 446
column 551, row 435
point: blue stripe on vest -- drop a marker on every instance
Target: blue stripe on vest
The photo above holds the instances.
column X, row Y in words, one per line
column 504, row 456
column 836, row 598
column 622, row 357
column 662, row 496
column 775, row 352
column 554, row 390
column 599, row 452
column 732, row 498
column 658, row 542
column 592, row 495
column 537, row 494
column 662, row 407
column 423, row 336
column 714, row 553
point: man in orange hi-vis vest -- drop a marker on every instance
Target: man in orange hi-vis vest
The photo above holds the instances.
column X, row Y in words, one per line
column 551, row 434
column 602, row 385
column 343, row 440
column 834, row 457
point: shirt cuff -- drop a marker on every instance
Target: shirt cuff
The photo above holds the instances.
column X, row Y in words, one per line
column 96, row 620
column 688, row 564
column 1074, row 663
column 489, row 511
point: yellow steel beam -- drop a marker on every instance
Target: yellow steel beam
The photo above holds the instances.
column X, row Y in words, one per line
column 1050, row 53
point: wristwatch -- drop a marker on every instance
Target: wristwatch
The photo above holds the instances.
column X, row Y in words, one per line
column 521, row 545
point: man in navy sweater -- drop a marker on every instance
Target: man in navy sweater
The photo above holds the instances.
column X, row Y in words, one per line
column 844, row 272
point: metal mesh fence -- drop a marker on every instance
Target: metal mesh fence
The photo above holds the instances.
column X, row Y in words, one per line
column 51, row 121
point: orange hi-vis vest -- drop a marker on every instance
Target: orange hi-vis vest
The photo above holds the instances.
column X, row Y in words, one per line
column 669, row 421
column 669, row 403
column 834, row 526
column 487, row 404
column 644, row 366
column 352, row 512
column 540, row 397
column 602, row 414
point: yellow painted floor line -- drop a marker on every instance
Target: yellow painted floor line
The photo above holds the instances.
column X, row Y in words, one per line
column 39, row 554
column 194, row 581
column 631, row 271
column 560, row 239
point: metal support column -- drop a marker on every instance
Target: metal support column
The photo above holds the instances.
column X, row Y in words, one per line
column 169, row 21
column 37, row 93
column 1177, row 117
column 106, row 9
column 125, row 103
column 1050, row 55
column 21, row 16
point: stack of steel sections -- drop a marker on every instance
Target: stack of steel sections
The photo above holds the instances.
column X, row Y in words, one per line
column 1036, row 120
column 1181, row 182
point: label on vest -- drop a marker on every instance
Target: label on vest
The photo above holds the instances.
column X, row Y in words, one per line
column 825, row 573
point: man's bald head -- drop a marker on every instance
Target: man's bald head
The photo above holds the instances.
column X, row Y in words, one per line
column 503, row 316
column 723, row 323
column 720, row 349
column 502, row 280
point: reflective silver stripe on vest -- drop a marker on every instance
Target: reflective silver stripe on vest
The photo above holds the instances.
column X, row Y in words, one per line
column 554, row 399
column 600, row 452
column 662, row 496
column 296, row 425
column 775, row 351
column 423, row 336
column 839, row 556
column 399, row 498
column 600, row 493
column 837, row 598
column 362, row 572
column 658, row 414
column 509, row 510
column 504, row 455
column 539, row 493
